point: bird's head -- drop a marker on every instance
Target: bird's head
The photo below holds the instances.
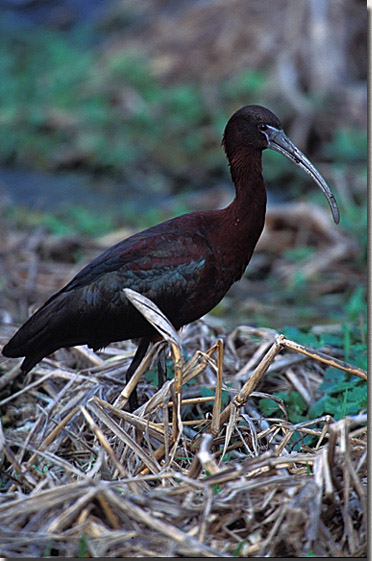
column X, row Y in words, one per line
column 255, row 128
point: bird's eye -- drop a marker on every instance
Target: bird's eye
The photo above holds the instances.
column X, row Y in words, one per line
column 262, row 127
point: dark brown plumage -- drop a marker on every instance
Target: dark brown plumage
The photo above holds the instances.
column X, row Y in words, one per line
column 185, row 265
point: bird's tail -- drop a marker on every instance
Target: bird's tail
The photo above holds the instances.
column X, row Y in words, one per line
column 41, row 335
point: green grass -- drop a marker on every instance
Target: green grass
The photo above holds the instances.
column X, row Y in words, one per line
column 67, row 104
column 64, row 103
column 340, row 394
column 348, row 145
column 62, row 222
column 83, row 550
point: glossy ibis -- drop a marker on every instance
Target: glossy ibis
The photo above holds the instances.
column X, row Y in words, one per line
column 185, row 265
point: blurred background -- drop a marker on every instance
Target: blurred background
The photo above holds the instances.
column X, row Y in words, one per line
column 111, row 118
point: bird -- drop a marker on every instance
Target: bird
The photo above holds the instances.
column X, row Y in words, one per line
column 185, row 265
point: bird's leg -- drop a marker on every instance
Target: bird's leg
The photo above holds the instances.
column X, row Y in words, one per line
column 162, row 367
column 140, row 353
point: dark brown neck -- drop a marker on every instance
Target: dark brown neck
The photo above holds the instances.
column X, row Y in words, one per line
column 249, row 205
column 241, row 223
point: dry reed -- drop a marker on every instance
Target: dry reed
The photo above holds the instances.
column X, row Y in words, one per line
column 182, row 475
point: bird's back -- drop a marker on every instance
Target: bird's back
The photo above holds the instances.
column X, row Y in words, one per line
column 172, row 263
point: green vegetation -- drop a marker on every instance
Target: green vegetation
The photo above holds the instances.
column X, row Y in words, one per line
column 348, row 145
column 72, row 220
column 340, row 394
column 83, row 550
column 67, row 105
column 236, row 552
column 343, row 395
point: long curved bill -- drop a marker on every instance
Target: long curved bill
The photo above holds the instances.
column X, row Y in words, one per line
column 279, row 141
